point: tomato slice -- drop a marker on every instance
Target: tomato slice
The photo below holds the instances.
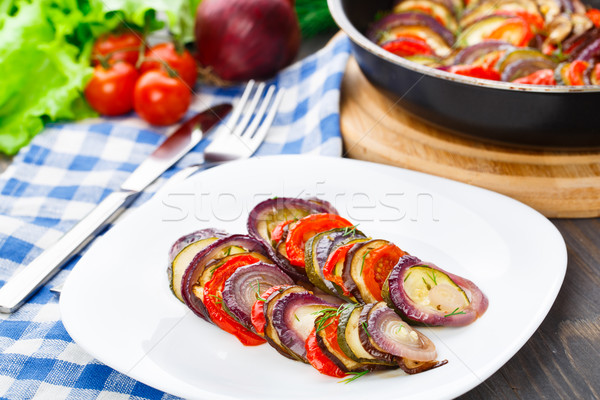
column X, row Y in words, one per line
column 490, row 60
column 514, row 30
column 595, row 78
column 475, row 71
column 307, row 227
column 277, row 233
column 319, row 360
column 378, row 264
column 257, row 315
column 408, row 45
column 575, row 72
column 334, row 258
column 535, row 21
column 594, row 15
column 541, row 77
column 213, row 301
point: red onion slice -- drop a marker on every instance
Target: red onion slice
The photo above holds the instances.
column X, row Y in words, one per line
column 196, row 268
column 528, row 66
column 266, row 215
column 293, row 318
column 409, row 19
column 247, row 284
column 392, row 335
column 470, row 54
column 399, row 299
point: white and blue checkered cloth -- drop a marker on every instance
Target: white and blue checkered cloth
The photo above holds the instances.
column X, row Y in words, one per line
column 69, row 168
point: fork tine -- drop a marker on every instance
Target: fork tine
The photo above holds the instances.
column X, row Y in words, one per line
column 237, row 110
column 264, row 128
column 239, row 129
column 249, row 131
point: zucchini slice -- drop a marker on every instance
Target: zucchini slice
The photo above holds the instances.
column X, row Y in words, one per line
column 182, row 260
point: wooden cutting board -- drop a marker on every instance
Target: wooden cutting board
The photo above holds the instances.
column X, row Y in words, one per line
column 558, row 184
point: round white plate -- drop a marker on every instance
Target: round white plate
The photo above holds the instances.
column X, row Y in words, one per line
column 117, row 305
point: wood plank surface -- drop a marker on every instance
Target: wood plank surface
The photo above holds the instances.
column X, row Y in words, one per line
column 374, row 128
column 560, row 361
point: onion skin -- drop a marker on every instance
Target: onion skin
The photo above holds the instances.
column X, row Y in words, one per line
column 409, row 19
column 378, row 319
column 283, row 315
column 590, row 52
column 196, row 268
column 399, row 300
column 521, row 68
column 470, row 54
column 246, row 39
column 239, row 294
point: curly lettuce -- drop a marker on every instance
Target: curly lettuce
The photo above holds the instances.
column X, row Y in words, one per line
column 45, row 50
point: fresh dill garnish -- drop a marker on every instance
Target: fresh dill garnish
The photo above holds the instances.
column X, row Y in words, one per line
column 350, row 230
column 363, row 260
column 297, row 319
column 364, row 326
column 407, row 275
column 228, row 252
column 432, row 276
column 326, row 316
column 455, row 312
column 257, row 292
column 355, row 376
column 398, row 329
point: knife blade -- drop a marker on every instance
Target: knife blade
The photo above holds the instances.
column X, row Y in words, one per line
column 26, row 282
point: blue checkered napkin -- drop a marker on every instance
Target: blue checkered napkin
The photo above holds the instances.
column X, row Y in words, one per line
column 69, row 168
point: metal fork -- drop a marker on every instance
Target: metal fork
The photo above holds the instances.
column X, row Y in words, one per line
column 241, row 135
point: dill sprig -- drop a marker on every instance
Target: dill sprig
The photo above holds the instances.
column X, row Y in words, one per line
column 455, row 312
column 257, row 292
column 364, row 326
column 326, row 316
column 432, row 276
column 363, row 260
column 350, row 230
column 355, row 376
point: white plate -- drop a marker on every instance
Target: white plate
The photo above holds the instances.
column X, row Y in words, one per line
column 117, row 305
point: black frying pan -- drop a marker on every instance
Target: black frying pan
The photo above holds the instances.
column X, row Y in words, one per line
column 557, row 117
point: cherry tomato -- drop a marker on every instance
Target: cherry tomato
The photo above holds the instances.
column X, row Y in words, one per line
column 541, row 77
column 160, row 99
column 377, row 265
column 594, row 15
column 110, row 91
column 476, row 71
column 182, row 63
column 257, row 315
column 213, row 301
column 405, row 46
column 123, row 46
column 277, row 233
column 319, row 360
column 339, row 255
column 304, row 229
column 514, row 30
column 575, row 72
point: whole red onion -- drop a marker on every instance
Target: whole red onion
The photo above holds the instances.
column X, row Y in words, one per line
column 246, row 39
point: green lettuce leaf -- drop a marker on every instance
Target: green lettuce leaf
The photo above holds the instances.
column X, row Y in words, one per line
column 45, row 50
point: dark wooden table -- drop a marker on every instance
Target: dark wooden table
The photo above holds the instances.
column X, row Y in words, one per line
column 562, row 358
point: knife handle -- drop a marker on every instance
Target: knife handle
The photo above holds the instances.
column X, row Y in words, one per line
column 23, row 284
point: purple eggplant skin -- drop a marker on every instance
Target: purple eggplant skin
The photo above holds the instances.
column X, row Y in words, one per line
column 196, row 268
column 412, row 367
column 398, row 299
column 246, row 284
column 283, row 317
column 271, row 334
column 470, row 54
column 409, row 19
